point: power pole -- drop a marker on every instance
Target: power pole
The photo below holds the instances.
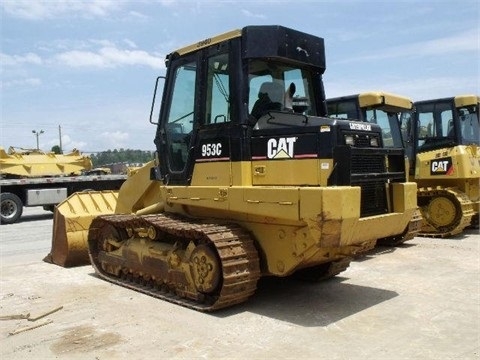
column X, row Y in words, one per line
column 60, row 138
column 37, row 134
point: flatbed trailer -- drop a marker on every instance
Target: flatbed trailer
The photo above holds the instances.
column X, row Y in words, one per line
column 48, row 191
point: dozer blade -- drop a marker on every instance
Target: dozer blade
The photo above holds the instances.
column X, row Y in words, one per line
column 71, row 221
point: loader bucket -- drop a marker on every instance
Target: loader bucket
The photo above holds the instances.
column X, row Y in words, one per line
column 71, row 221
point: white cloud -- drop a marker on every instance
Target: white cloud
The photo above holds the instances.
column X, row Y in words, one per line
column 97, row 53
column 68, row 144
column 27, row 82
column 130, row 43
column 445, row 86
column 137, row 15
column 109, row 57
column 13, row 60
column 461, row 42
column 167, row 3
column 115, row 140
column 99, row 42
column 48, row 9
column 467, row 41
column 416, row 89
column 78, row 58
column 248, row 13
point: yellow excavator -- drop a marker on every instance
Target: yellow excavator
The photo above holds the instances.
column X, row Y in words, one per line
column 443, row 144
column 384, row 109
column 250, row 179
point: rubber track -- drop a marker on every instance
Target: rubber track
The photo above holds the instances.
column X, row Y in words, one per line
column 465, row 205
column 238, row 257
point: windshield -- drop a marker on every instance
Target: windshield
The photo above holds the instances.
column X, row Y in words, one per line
column 390, row 124
column 350, row 109
column 275, row 86
column 439, row 124
column 343, row 108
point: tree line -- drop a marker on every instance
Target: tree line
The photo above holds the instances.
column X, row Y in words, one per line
column 115, row 156
column 124, row 156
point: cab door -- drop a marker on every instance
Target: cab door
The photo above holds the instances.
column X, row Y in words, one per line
column 175, row 136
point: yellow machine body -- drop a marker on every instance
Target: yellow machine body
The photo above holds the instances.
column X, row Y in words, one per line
column 315, row 216
column 381, row 108
column 448, row 180
column 445, row 163
column 295, row 226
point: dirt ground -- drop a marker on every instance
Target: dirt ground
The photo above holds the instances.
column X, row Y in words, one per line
column 417, row 301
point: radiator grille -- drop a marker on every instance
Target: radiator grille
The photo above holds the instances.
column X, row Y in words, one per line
column 367, row 168
column 367, row 163
column 373, row 198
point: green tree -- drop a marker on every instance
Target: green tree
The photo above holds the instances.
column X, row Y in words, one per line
column 124, row 156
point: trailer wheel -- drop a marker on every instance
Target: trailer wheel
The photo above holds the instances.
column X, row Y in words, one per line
column 11, row 208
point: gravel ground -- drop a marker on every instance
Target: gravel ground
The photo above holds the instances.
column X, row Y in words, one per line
column 417, row 301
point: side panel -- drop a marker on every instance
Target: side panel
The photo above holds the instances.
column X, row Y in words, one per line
column 296, row 227
column 45, row 196
column 289, row 160
column 448, row 164
column 310, row 172
column 212, row 173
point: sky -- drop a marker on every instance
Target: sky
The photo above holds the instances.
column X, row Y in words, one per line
column 86, row 70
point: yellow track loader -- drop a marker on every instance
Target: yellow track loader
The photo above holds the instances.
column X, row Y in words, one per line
column 383, row 109
column 443, row 145
column 251, row 178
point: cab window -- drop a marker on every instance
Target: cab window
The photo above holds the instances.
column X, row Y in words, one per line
column 180, row 116
column 388, row 122
column 279, row 87
column 218, row 97
column 469, row 125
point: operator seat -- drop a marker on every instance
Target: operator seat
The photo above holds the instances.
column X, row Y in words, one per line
column 270, row 97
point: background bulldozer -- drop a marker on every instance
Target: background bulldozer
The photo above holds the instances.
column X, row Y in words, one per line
column 442, row 140
column 251, row 178
column 383, row 109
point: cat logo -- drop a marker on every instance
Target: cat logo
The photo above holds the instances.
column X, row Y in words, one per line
column 281, row 148
column 441, row 166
